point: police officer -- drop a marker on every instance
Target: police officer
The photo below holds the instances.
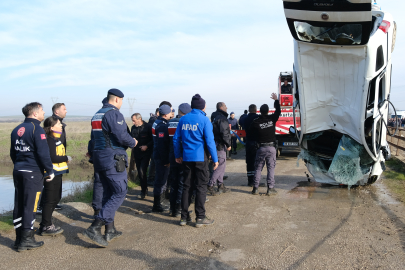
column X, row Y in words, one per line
column 234, row 126
column 161, row 152
column 111, row 138
column 176, row 169
column 142, row 153
column 30, row 154
column 97, row 202
column 286, row 88
column 251, row 146
column 222, row 137
column 264, row 128
column 193, row 143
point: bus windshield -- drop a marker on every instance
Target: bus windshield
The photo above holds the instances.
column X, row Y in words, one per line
column 335, row 34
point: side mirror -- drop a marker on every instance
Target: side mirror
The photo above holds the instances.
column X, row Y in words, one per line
column 292, row 130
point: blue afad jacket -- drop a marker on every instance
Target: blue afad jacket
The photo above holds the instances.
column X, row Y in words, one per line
column 161, row 148
column 193, row 134
column 29, row 149
column 110, row 136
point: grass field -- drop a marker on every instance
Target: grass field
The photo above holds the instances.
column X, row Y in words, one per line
column 395, row 178
column 77, row 133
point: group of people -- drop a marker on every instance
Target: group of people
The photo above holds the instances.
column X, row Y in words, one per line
column 187, row 150
column 399, row 122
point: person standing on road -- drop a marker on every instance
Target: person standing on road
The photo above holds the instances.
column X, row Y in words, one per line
column 98, row 190
column 176, row 169
column 29, row 152
column 111, row 138
column 251, row 146
column 59, row 112
column 242, row 119
column 264, row 129
column 193, row 143
column 234, row 126
column 161, row 152
column 152, row 169
column 53, row 189
column 142, row 153
column 222, row 137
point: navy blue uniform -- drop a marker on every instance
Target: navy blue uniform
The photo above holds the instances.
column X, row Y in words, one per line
column 251, row 147
column 29, row 152
column 175, row 168
column 161, row 154
column 111, row 137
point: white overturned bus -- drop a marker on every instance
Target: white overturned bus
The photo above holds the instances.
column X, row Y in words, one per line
column 342, row 82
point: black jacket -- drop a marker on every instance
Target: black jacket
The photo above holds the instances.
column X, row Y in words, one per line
column 143, row 134
column 246, row 124
column 63, row 136
column 264, row 127
column 214, row 114
column 222, row 133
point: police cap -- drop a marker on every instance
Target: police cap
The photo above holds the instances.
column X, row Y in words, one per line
column 116, row 92
column 164, row 109
column 185, row 108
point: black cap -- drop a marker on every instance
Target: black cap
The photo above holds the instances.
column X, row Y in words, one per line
column 116, row 92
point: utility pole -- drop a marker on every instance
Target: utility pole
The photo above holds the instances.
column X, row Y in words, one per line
column 54, row 99
column 131, row 102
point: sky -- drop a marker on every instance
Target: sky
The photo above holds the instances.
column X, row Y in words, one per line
column 73, row 51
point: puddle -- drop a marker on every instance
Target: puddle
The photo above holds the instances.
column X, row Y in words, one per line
column 315, row 190
column 76, row 179
column 383, row 194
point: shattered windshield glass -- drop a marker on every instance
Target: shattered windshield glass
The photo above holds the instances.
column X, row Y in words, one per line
column 337, row 34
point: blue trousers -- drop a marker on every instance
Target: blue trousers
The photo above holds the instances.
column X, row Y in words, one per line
column 217, row 176
column 114, row 191
column 161, row 176
column 97, row 203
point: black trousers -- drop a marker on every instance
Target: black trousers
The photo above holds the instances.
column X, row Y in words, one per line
column 234, row 142
column 251, row 149
column 142, row 164
column 152, row 171
column 176, row 185
column 196, row 177
column 28, row 186
column 50, row 198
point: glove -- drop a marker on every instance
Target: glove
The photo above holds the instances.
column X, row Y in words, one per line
column 50, row 177
column 69, row 158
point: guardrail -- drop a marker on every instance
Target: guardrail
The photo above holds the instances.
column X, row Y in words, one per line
column 397, row 142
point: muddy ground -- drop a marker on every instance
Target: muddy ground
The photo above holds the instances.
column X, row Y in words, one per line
column 305, row 226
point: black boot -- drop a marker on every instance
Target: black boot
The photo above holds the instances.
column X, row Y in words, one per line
column 94, row 233
column 96, row 212
column 111, row 233
column 157, row 204
column 17, row 237
column 28, row 241
column 176, row 210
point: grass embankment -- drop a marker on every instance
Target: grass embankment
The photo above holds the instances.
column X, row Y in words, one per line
column 395, row 177
column 6, row 222
column 78, row 136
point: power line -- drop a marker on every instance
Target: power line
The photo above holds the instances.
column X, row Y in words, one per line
column 54, row 99
column 131, row 105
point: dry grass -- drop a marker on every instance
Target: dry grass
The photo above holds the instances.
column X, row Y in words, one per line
column 78, row 136
column 395, row 178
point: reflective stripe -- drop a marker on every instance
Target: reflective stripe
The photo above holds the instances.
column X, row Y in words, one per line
column 18, row 226
column 33, row 221
column 16, row 220
column 36, row 202
column 24, row 171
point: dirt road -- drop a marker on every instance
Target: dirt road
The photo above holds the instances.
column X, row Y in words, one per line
column 305, row 226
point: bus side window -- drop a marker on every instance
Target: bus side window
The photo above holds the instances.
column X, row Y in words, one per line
column 381, row 91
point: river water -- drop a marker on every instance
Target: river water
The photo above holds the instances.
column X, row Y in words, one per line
column 77, row 178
